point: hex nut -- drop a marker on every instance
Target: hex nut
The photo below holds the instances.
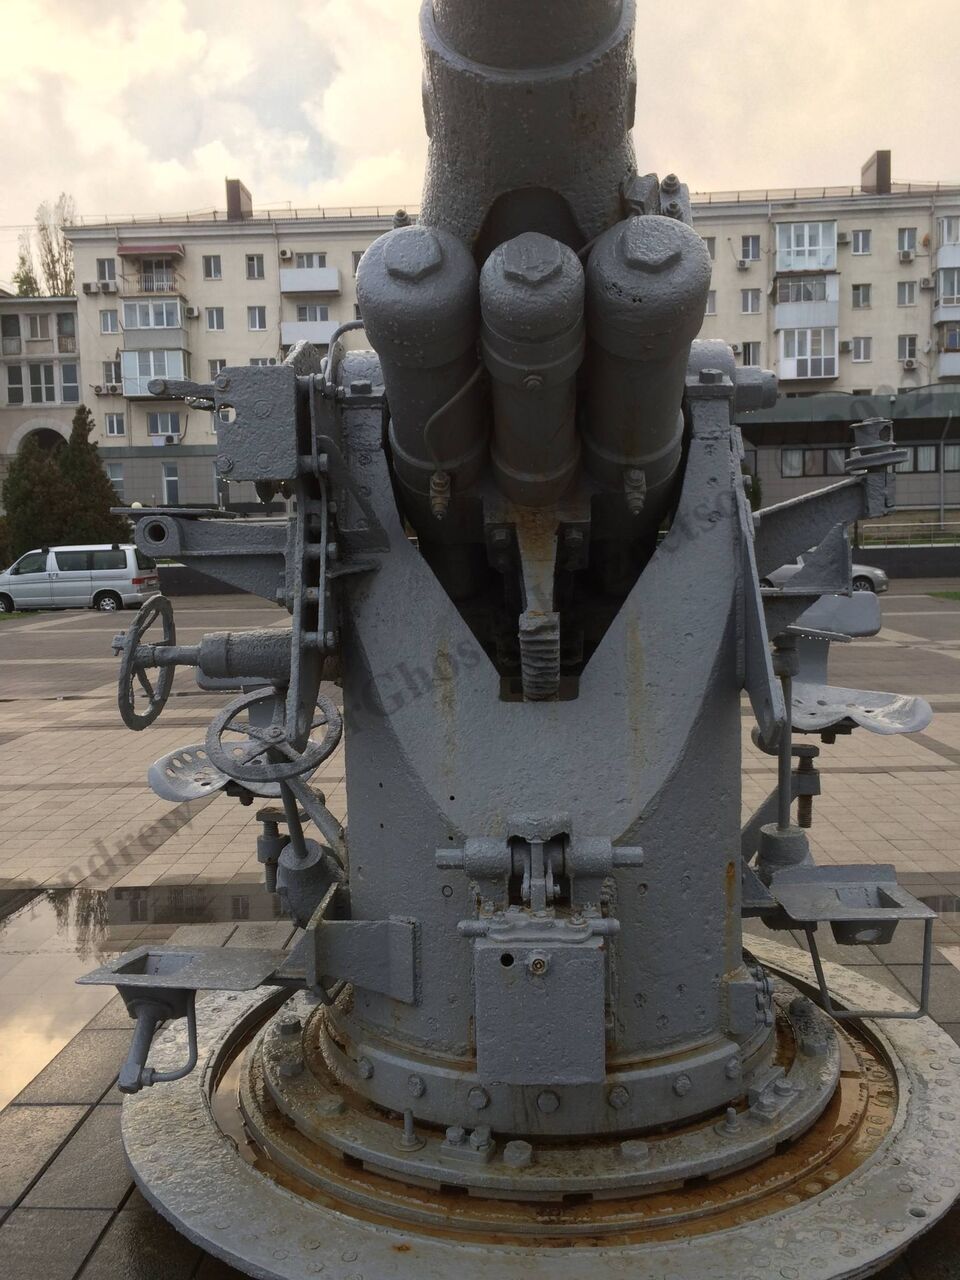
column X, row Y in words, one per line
column 518, row 1154
column 618, row 1097
column 548, row 1102
column 478, row 1098
column 290, row 1026
column 650, row 244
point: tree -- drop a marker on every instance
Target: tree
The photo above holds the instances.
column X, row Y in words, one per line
column 91, row 492
column 54, row 250
column 24, row 276
column 37, row 499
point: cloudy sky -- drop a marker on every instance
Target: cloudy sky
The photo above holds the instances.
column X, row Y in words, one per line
column 147, row 107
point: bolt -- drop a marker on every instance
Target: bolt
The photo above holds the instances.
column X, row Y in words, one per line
column 672, row 209
column 635, row 1150
column 290, row 1026
column 532, row 258
column 416, row 1086
column 291, row 1068
column 518, row 1154
column 478, row 1098
column 538, row 965
column 221, row 382
column 456, row 1135
column 651, row 245
column 224, row 463
column 783, row 1089
column 618, row 1097
column 709, row 377
column 409, row 1140
column 682, row 1085
column 364, row 1068
column 547, row 1102
column 670, row 184
column 732, row 1122
column 533, row 382
column 482, row 1138
column 413, row 255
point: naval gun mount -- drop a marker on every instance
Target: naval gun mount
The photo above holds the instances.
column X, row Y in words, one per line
column 519, row 1030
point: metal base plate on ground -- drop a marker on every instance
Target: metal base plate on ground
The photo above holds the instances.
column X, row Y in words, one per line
column 194, row 1173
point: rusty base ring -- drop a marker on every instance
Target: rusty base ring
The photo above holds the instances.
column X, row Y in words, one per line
column 907, row 1176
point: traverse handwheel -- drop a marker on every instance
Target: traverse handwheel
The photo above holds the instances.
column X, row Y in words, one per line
column 135, row 662
column 248, row 750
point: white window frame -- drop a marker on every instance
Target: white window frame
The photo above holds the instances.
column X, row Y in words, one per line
column 213, row 315
column 907, row 239
column 171, row 484
column 748, row 244
column 861, row 242
column 948, row 287
column 747, row 299
column 255, row 314
column 806, row 246
column 813, row 352
column 115, row 474
column 38, row 327
column 309, row 260
column 793, row 289
column 906, row 293
column 46, row 384
column 907, row 346
column 108, row 325
column 112, row 375
column 139, row 368
column 163, row 422
column 950, row 337
column 106, row 270
column 861, row 297
column 114, row 424
column 711, row 243
column 69, row 391
column 16, row 386
column 212, row 266
column 357, row 255
column 216, row 366
column 711, row 303
column 949, row 230
column 255, row 266
column 304, row 310
column 751, row 354
column 862, row 350
column 152, row 313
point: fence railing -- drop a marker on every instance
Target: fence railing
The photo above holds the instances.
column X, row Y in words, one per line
column 904, row 533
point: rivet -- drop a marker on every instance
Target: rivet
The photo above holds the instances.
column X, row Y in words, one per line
column 416, row 1086
column 682, row 1085
column 478, row 1099
column 548, row 1102
column 618, row 1097
column 291, row 1027
column 732, row 1069
column 364, row 1068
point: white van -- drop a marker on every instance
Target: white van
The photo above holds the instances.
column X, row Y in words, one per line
column 80, row 577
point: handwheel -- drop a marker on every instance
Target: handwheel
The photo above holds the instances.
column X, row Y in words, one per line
column 242, row 748
column 133, row 669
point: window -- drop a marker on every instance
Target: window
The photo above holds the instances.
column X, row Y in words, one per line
column 751, row 353
column 212, row 267
column 14, row 384
column 907, row 293
column 948, row 281
column 907, row 464
column 72, row 561
column 802, row 289
column 70, row 383
column 108, row 559
column 791, row 463
column 114, row 425
column 926, row 457
column 711, row 303
column 144, row 561
column 836, row 458
column 805, row 246
column 163, row 423
column 256, row 317
column 862, row 350
column 950, row 337
column 950, row 230
column 907, row 239
column 115, row 475
column 813, row 462
column 140, row 367
column 41, row 384
column 254, row 266
column 106, row 269
column 261, row 361
column 216, row 366
column 357, row 255
column 711, row 243
column 240, row 907
column 171, row 485
column 907, row 346
column 861, row 296
column 750, row 248
column 358, row 316
column 951, row 457
column 152, row 314
column 307, row 261
column 109, row 322
column 38, row 327
column 111, row 372
column 32, row 562
column 861, row 243
column 10, row 335
column 310, row 311
column 750, row 302
column 809, row 353
column 214, row 318
column 66, row 331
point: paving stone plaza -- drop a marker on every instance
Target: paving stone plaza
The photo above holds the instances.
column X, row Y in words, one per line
column 92, row 863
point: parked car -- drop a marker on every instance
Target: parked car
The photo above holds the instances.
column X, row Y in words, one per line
column 79, row 577
column 865, row 577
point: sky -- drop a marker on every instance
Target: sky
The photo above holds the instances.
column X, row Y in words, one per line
column 145, row 108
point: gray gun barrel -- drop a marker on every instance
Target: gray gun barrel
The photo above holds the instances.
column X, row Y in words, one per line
column 647, row 283
column 417, row 289
column 531, row 301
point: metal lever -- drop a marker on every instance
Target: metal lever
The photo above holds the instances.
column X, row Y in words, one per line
column 135, row 1074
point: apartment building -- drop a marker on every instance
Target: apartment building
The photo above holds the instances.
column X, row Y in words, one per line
column 40, row 384
column 184, row 297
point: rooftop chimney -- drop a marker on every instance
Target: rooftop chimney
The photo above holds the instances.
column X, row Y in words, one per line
column 875, row 175
column 239, row 201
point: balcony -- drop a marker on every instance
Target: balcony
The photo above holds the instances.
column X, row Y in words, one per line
column 319, row 332
column 151, row 282
column 948, row 255
column 310, row 280
column 948, row 364
column 66, row 343
column 171, row 338
column 11, row 347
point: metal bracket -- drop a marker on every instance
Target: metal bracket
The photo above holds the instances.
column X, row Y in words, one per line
column 378, row 955
column 846, row 1014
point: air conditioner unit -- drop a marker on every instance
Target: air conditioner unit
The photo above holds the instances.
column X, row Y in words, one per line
column 743, row 264
column 286, row 255
column 114, row 389
column 909, row 364
column 192, row 313
column 171, row 439
column 927, row 283
column 843, row 237
column 272, row 360
column 736, row 348
column 846, row 345
column 91, row 286
column 108, row 286
column 98, row 390
column 906, row 255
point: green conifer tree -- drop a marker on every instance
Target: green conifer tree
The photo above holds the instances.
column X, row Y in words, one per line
column 37, row 499
column 92, row 494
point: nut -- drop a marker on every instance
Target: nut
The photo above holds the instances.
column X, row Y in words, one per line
column 548, row 1102
column 518, row 1154
column 651, row 244
column 478, row 1098
column 413, row 255
column 618, row 1097
column 416, row 1086
column 682, row 1085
